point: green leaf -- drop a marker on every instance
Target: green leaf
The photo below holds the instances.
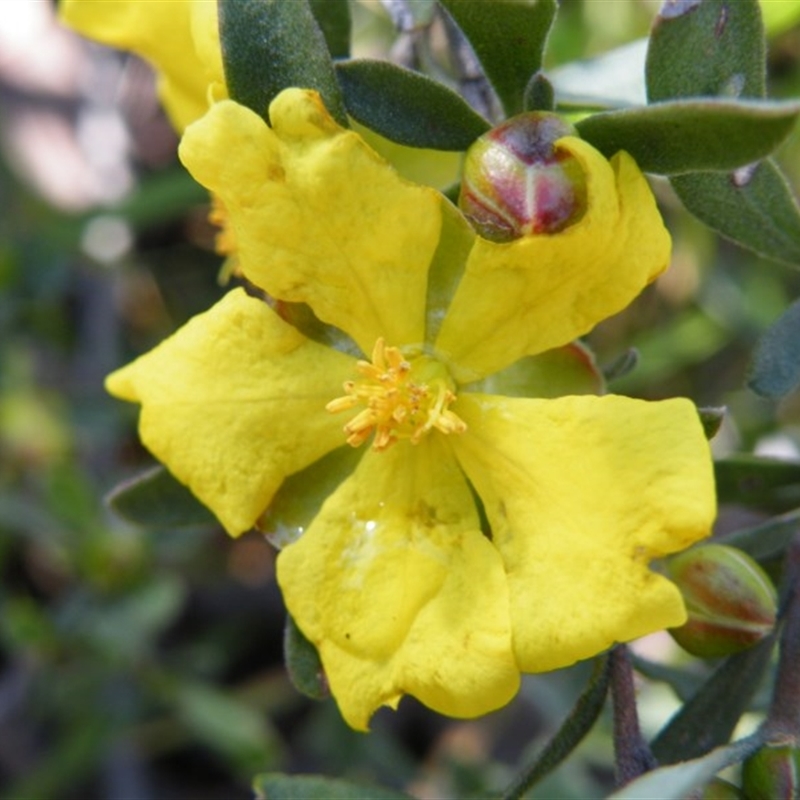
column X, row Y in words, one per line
column 275, row 786
column 240, row 733
column 303, row 663
column 692, row 135
column 753, row 207
column 270, row 45
column 768, row 540
column 571, row 733
column 157, row 499
column 333, row 18
column 713, row 48
column 509, row 37
column 677, row 782
column 716, row 48
column 408, row 107
column 561, row 371
column 767, row 483
column 776, row 365
column 709, row 718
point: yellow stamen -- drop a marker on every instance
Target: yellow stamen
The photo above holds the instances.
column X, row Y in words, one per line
column 403, row 399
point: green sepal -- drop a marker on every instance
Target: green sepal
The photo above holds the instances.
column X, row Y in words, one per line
column 713, row 48
column 333, row 18
column 301, row 496
column 303, row 663
column 270, row 45
column 709, row 718
column 509, row 38
column 766, row 483
column 539, row 94
column 568, row 370
column 622, row 365
column 753, row 207
column 276, row 786
column 157, row 499
column 408, row 107
column 776, row 365
column 692, row 135
column 711, row 418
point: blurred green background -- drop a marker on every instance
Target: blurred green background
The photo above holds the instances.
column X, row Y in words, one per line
column 145, row 664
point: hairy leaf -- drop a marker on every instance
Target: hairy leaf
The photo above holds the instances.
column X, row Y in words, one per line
column 509, row 38
column 333, row 18
column 753, row 207
column 691, row 135
column 713, row 48
column 270, row 45
column 408, row 107
column 709, row 718
column 776, row 365
column 157, row 499
column 755, row 481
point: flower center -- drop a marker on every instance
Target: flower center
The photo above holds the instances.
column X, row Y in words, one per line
column 403, row 399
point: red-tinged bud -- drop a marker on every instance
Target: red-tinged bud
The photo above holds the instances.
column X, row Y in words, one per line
column 730, row 601
column 772, row 773
column 517, row 182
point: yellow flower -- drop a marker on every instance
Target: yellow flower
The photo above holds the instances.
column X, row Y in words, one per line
column 179, row 38
column 396, row 580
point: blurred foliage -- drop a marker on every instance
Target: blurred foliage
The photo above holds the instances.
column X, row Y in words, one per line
column 148, row 663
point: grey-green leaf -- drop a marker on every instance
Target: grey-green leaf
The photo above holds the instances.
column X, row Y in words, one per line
column 571, row 733
column 709, row 718
column 692, row 135
column 776, row 364
column 270, row 45
column 275, row 786
column 768, row 540
column 333, row 18
column 753, row 207
column 712, row 48
column 509, row 37
column 157, row 499
column 408, row 107
column 678, row 781
column 767, row 483
column 716, row 48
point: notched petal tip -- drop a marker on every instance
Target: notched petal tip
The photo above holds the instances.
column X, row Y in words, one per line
column 301, row 114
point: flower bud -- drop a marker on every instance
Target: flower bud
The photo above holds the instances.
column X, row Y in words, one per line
column 730, row 601
column 517, row 182
column 772, row 773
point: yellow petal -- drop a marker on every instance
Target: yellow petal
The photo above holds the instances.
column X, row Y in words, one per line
column 233, row 403
column 319, row 218
column 162, row 32
column 546, row 290
column 399, row 590
column 581, row 493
